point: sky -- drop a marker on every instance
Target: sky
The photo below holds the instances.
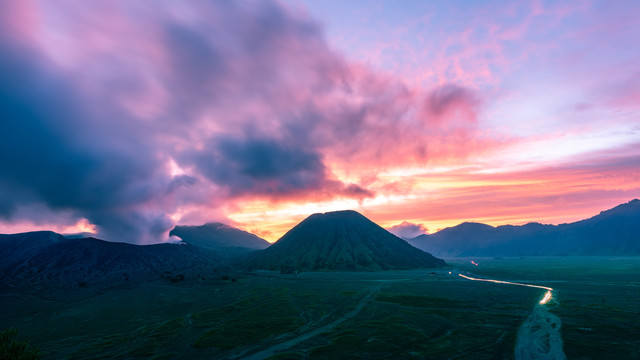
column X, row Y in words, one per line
column 126, row 118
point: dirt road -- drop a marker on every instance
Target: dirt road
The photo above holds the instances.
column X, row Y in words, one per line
column 286, row 344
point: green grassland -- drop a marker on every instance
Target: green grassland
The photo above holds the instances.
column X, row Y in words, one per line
column 375, row 315
column 598, row 299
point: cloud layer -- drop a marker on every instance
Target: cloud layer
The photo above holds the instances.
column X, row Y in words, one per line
column 125, row 114
column 132, row 117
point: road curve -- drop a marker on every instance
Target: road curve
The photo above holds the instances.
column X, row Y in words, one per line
column 539, row 336
column 506, row 282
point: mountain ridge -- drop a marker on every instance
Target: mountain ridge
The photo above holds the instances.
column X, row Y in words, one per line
column 47, row 261
column 611, row 232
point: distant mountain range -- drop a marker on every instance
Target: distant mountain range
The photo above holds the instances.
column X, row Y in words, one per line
column 224, row 240
column 612, row 232
column 342, row 240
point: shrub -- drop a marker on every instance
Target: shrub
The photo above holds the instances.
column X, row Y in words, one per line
column 11, row 349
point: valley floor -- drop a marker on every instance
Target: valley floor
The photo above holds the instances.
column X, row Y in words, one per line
column 377, row 315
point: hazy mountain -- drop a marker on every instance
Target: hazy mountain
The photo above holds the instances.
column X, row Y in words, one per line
column 40, row 260
column 225, row 240
column 342, row 240
column 612, row 232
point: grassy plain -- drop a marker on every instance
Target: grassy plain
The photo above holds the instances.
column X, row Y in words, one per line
column 377, row 315
column 597, row 299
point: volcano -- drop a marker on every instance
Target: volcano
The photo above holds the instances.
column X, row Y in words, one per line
column 341, row 240
column 224, row 240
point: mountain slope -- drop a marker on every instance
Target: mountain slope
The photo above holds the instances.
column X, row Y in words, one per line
column 342, row 240
column 41, row 260
column 612, row 232
column 225, row 240
column 22, row 245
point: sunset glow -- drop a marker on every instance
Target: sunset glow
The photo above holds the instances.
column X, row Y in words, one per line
column 127, row 118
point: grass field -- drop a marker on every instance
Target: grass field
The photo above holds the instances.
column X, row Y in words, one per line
column 380, row 315
column 598, row 299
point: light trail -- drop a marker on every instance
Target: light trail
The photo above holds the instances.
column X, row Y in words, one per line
column 539, row 336
column 546, row 298
column 507, row 282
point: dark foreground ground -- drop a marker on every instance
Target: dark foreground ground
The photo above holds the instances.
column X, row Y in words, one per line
column 379, row 315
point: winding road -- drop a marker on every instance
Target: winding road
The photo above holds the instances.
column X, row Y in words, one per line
column 539, row 336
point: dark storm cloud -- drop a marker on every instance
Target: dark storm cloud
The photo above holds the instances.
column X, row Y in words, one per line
column 262, row 166
column 53, row 150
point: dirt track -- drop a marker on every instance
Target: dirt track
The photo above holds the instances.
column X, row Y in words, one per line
column 316, row 331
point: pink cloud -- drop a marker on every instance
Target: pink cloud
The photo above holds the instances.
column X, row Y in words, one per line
column 407, row 230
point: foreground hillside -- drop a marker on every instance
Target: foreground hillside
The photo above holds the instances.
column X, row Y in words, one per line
column 341, row 240
column 45, row 260
column 612, row 232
